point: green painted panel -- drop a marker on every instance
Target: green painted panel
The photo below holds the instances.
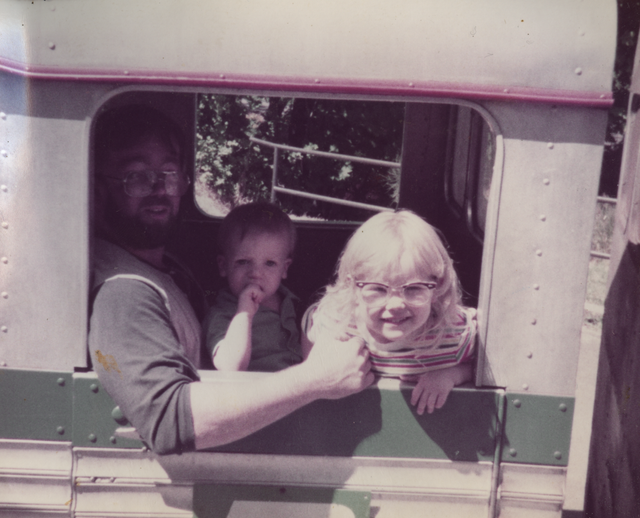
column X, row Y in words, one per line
column 382, row 423
column 215, row 500
column 537, row 429
column 94, row 418
column 35, row 405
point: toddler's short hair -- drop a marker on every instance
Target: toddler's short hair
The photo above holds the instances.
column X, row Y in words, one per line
column 260, row 217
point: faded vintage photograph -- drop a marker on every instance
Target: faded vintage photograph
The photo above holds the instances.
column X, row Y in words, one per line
column 319, row 259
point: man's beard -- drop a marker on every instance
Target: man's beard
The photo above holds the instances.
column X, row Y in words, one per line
column 133, row 232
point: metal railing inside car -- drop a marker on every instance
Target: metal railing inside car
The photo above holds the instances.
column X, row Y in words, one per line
column 335, row 156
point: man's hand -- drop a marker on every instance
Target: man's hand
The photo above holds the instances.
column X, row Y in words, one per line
column 433, row 387
column 250, row 299
column 338, row 368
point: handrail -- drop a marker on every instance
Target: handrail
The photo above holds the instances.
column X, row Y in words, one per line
column 337, row 201
column 324, row 154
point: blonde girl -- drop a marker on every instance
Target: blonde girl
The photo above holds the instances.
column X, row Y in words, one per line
column 396, row 288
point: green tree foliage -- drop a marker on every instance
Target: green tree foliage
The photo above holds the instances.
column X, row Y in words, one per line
column 237, row 170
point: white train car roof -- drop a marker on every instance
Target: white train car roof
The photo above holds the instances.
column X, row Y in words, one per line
column 559, row 52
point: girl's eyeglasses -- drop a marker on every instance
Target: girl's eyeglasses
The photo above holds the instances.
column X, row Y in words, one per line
column 375, row 294
column 139, row 184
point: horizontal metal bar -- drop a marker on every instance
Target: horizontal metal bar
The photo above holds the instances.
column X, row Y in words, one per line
column 337, row 156
column 605, row 199
column 600, row 255
column 337, row 201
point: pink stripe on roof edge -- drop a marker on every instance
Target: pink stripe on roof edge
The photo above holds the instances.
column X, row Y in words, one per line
column 320, row 85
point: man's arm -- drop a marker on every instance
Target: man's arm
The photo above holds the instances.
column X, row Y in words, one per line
column 224, row 413
column 140, row 363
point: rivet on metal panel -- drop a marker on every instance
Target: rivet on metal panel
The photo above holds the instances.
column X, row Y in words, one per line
column 513, row 452
column 410, row 85
column 536, row 286
column 60, row 382
column 221, row 76
column 5, row 224
column 517, row 403
column 557, row 455
column 538, row 252
column 4, row 153
column 94, row 387
column 5, row 260
column 4, row 329
column 562, row 407
column 529, row 355
column 92, row 437
column 316, row 80
column 52, row 45
column 550, row 145
column 578, row 71
column 3, row 364
column 534, row 321
column 543, row 217
column 546, row 181
column 118, row 416
column 506, row 90
column 4, row 188
column 4, row 295
column 60, row 430
column 112, row 439
column 125, row 72
column 3, row 116
column 525, row 386
column 602, row 96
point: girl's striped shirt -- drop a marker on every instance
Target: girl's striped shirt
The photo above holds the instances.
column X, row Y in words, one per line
column 427, row 351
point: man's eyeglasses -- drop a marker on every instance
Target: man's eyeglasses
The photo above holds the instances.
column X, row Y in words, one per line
column 415, row 294
column 139, row 184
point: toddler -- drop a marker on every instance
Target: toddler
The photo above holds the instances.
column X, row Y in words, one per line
column 396, row 289
column 252, row 325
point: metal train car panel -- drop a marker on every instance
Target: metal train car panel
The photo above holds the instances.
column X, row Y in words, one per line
column 534, row 80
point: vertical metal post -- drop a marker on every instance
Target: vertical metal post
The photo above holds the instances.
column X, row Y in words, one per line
column 274, row 176
column 497, row 456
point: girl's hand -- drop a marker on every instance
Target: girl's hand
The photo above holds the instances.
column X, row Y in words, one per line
column 432, row 389
column 249, row 299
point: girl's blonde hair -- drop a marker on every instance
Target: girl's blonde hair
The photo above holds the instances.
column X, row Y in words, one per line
column 390, row 242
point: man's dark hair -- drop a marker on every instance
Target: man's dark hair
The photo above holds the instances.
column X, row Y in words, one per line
column 124, row 126
column 260, row 217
